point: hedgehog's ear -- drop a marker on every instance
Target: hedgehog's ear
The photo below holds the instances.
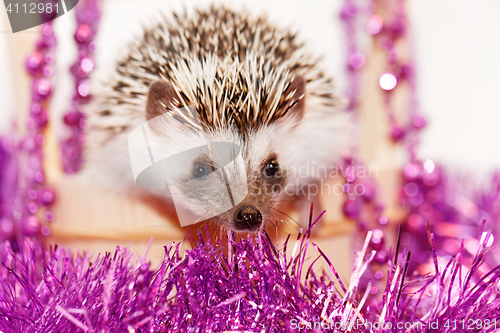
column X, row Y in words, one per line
column 295, row 96
column 160, row 97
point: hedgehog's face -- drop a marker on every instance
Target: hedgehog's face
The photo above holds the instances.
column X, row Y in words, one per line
column 233, row 174
column 222, row 177
column 265, row 183
column 265, row 179
column 242, row 194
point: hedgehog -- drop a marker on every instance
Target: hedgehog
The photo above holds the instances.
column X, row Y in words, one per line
column 245, row 82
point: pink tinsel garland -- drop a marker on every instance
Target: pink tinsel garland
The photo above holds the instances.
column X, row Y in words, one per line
column 258, row 288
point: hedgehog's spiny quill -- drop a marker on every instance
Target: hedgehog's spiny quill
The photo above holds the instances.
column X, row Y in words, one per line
column 251, row 65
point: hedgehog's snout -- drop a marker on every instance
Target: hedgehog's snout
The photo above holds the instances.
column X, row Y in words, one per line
column 247, row 218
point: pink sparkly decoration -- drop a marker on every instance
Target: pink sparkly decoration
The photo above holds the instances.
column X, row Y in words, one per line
column 73, row 118
column 47, row 197
column 82, row 33
column 357, row 60
column 31, row 225
column 405, row 72
column 87, row 65
column 410, row 189
column 397, row 28
column 21, row 174
column 6, row 228
column 394, row 54
column 45, row 230
column 42, row 119
column 429, row 166
column 419, row 121
column 426, row 192
column 349, row 10
column 88, row 14
column 388, row 81
column 411, row 171
column 431, row 179
column 415, row 221
column 42, row 88
column 361, row 204
column 49, row 57
column 385, row 32
column 355, row 57
column 31, row 122
column 33, row 194
column 83, row 89
column 33, row 63
column 40, row 139
column 49, row 216
column 383, row 220
column 351, row 209
column 381, row 257
column 39, row 176
column 32, row 207
column 350, row 177
column 374, row 25
column 397, row 133
column 377, row 239
column 47, row 71
column 416, row 200
column 369, row 193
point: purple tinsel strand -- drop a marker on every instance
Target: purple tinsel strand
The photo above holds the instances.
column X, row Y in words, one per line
column 22, row 177
column 202, row 290
column 256, row 290
column 88, row 14
column 8, row 181
column 453, row 206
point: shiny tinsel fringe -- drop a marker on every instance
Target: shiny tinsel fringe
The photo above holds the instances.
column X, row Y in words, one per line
column 256, row 288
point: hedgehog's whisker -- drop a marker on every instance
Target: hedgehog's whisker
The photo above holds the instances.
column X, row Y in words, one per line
column 191, row 227
column 285, row 200
column 296, row 224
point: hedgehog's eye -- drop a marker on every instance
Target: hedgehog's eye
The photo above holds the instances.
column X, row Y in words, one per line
column 271, row 169
column 200, row 170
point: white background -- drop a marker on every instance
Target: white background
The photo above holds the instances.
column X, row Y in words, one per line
column 457, row 48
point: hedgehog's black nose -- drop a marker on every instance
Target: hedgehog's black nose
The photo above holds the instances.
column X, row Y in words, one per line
column 248, row 218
